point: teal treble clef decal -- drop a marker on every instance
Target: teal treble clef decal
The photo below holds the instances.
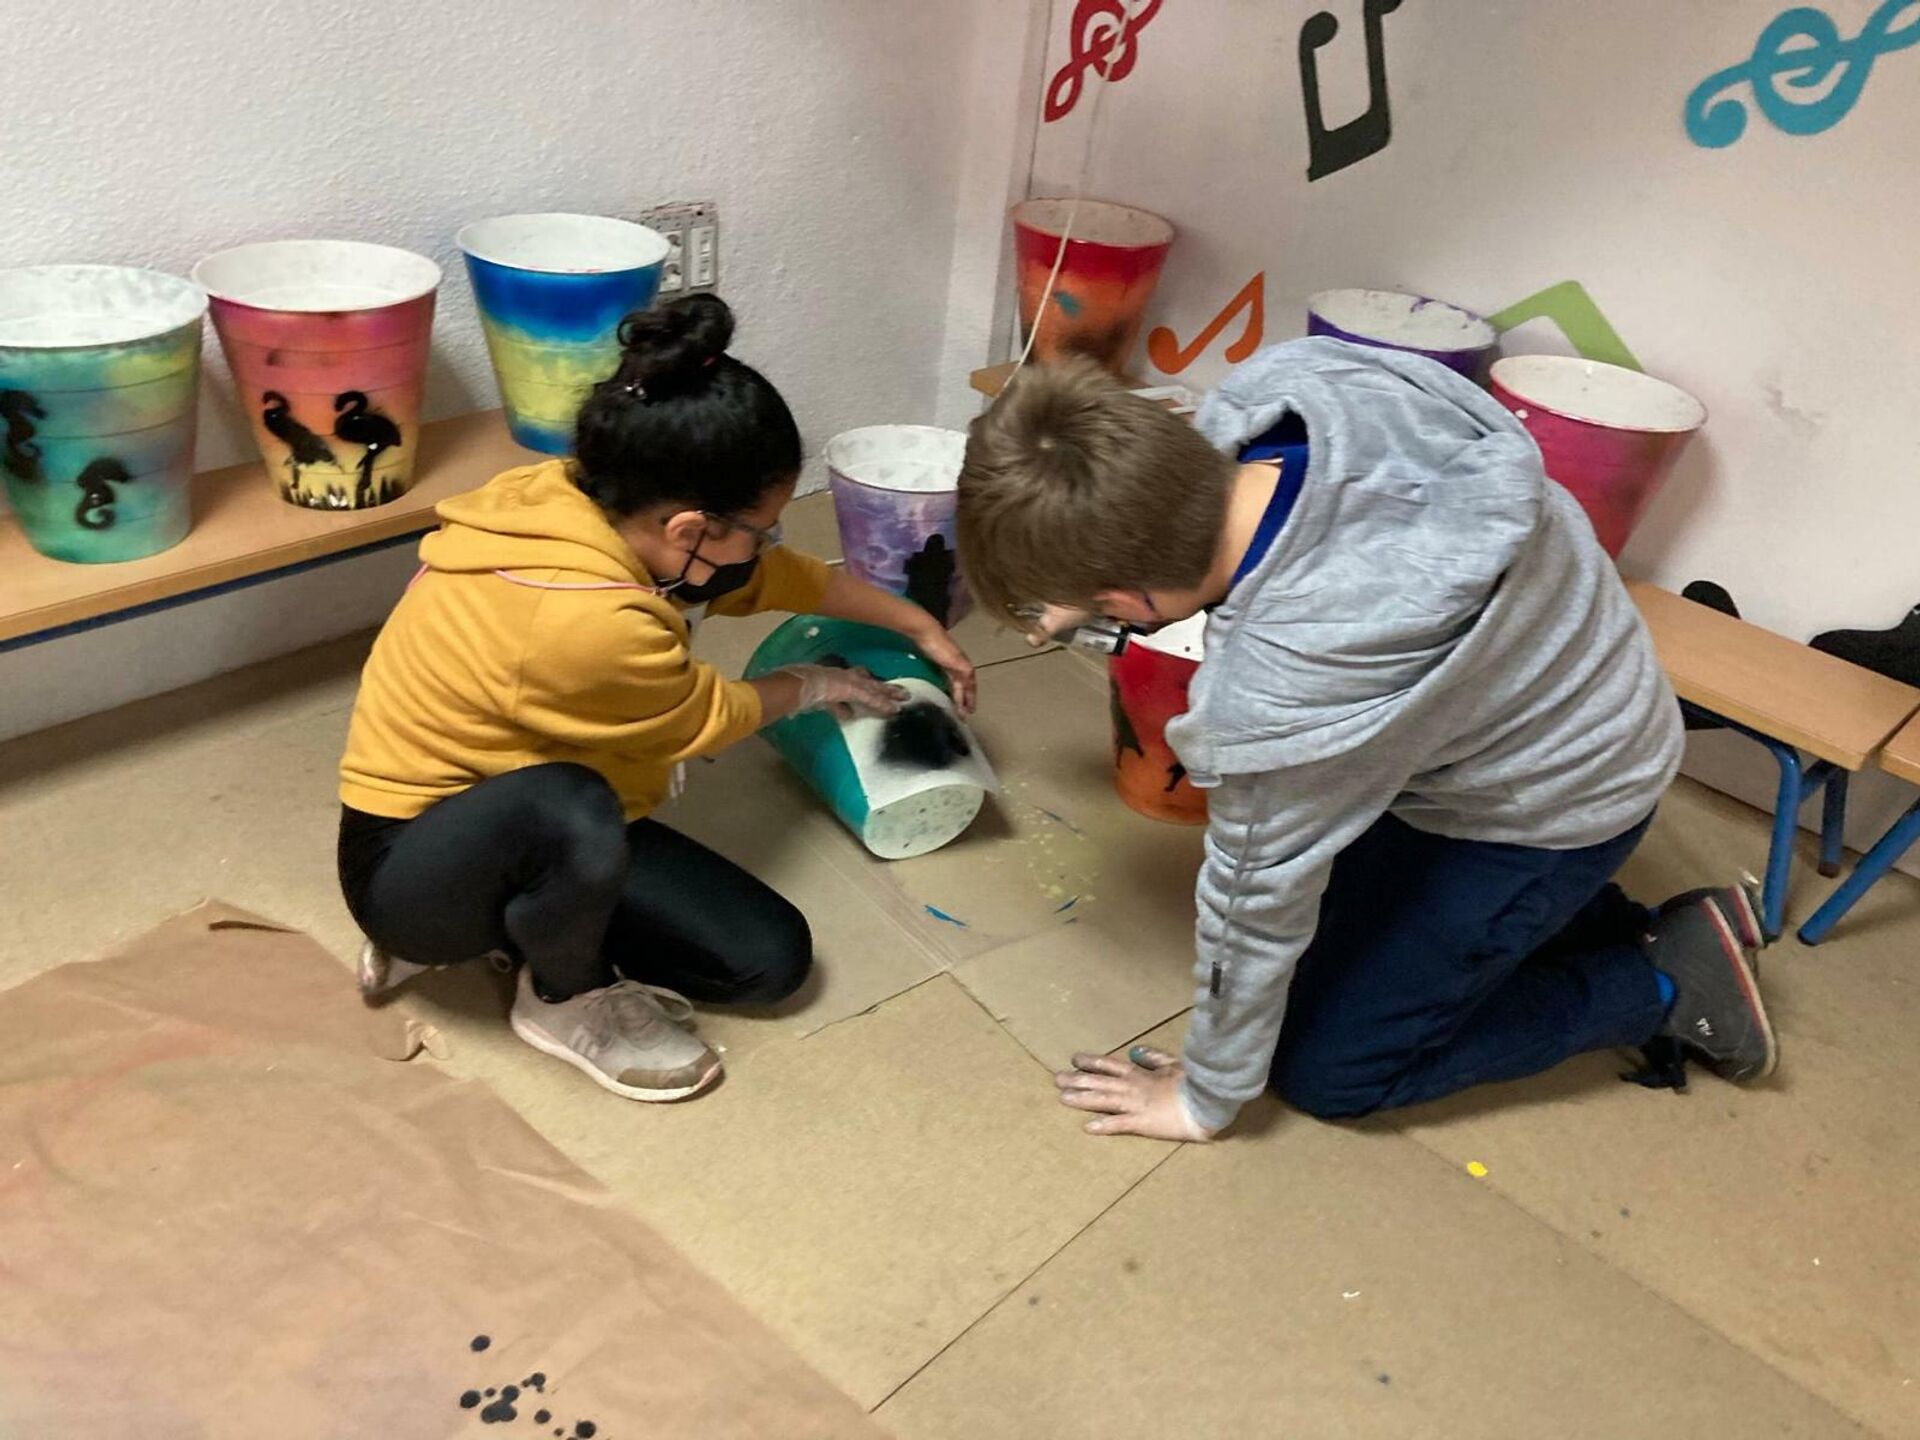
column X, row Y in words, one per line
column 1792, row 62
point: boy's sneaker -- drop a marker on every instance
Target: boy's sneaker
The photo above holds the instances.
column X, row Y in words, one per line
column 1740, row 904
column 1716, row 1013
column 381, row 972
column 627, row 1037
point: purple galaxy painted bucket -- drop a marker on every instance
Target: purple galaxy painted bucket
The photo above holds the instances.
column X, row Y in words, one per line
column 1391, row 320
column 894, row 491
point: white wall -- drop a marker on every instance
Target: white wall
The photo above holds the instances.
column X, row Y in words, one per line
column 1537, row 142
column 830, row 134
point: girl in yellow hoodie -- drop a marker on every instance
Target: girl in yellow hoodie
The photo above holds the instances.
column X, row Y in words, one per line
column 532, row 696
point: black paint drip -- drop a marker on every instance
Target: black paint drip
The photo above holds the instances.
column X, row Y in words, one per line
column 480, row 1342
column 540, row 1417
column 584, row 1429
column 470, row 1399
column 501, row 1409
column 924, row 736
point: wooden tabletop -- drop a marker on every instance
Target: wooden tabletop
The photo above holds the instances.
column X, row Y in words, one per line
column 1769, row 683
column 1902, row 755
column 242, row 527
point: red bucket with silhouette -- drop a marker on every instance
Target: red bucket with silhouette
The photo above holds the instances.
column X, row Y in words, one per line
column 1148, row 687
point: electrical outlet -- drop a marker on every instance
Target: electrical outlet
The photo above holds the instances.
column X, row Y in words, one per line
column 692, row 232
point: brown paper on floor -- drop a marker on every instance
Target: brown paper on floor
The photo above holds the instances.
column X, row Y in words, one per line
column 223, row 1214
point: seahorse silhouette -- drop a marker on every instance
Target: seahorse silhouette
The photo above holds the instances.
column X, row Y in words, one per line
column 22, row 458
column 96, row 482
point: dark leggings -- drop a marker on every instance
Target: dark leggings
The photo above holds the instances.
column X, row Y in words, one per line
column 540, row 864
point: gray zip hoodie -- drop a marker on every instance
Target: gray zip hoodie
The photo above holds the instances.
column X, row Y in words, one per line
column 1435, row 632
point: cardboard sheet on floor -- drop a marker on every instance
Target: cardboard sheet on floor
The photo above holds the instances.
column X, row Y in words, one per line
column 1310, row 1280
column 225, row 1211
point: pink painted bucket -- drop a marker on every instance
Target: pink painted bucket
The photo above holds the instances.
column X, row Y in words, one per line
column 328, row 344
column 1608, row 434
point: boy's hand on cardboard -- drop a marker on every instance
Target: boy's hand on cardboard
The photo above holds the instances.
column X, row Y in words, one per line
column 1136, row 1096
column 1046, row 623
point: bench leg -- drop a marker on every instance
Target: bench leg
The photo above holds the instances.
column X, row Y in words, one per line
column 1786, row 825
column 1833, row 823
column 1876, row 862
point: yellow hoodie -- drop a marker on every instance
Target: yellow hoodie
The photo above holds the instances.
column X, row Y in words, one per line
column 533, row 634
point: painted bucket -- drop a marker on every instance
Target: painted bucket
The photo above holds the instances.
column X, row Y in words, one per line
column 328, row 343
column 552, row 291
column 1608, row 434
column 878, row 776
column 1113, row 260
column 1391, row 320
column 1148, row 683
column 894, row 491
column 99, row 382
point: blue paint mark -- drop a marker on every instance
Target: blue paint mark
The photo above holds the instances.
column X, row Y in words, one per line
column 1061, row 820
column 1069, row 305
column 942, row 915
column 1800, row 50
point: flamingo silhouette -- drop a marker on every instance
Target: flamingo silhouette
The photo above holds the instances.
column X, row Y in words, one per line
column 367, row 428
column 96, row 482
column 303, row 446
column 20, row 410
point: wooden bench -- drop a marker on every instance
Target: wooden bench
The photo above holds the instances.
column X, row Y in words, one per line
column 1788, row 698
column 1900, row 759
column 1793, row 700
column 243, row 533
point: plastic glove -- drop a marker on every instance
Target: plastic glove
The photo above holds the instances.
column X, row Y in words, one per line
column 844, row 691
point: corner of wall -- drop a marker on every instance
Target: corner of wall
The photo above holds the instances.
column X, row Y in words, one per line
column 1006, row 52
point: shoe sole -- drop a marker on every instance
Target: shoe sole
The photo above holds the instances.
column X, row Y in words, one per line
column 1736, row 958
column 600, row 1077
column 1746, row 921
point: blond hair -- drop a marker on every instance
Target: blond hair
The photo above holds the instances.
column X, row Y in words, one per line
column 1072, row 486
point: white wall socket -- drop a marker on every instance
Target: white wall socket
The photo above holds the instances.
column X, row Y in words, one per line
column 692, row 231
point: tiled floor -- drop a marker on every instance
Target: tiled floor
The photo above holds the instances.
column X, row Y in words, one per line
column 885, row 1177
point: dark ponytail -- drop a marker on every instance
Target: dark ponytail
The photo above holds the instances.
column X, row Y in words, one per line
column 681, row 421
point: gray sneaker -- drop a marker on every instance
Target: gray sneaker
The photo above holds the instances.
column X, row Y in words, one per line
column 627, row 1037
column 1716, row 1012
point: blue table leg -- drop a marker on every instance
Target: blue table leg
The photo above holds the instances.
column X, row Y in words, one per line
column 1833, row 823
column 1875, row 863
column 1786, row 824
column 1797, row 782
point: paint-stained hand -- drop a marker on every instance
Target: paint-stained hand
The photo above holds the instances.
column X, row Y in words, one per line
column 1137, row 1096
column 943, row 650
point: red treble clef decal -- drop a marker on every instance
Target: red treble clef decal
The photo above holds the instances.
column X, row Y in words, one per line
column 1103, row 38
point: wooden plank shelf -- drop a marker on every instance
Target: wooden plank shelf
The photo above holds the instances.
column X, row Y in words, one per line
column 242, row 528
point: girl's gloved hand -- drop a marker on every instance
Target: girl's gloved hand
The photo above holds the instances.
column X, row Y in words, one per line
column 844, row 692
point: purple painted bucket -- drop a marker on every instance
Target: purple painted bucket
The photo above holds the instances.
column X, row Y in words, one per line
column 894, row 492
column 1391, row 320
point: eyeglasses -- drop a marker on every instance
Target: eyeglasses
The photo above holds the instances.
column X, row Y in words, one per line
column 763, row 539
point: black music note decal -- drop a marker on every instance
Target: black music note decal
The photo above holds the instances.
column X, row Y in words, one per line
column 1331, row 150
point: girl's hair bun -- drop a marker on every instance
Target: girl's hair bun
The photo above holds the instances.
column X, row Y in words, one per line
column 674, row 347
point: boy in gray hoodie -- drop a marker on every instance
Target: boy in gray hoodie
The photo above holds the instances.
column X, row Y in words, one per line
column 1429, row 723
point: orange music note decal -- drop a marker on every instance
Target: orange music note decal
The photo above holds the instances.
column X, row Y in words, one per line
column 1169, row 357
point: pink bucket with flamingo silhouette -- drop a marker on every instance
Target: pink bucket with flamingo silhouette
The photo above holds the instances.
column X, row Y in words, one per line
column 1608, row 434
column 328, row 344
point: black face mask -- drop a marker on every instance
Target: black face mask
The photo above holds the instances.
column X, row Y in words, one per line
column 724, row 581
